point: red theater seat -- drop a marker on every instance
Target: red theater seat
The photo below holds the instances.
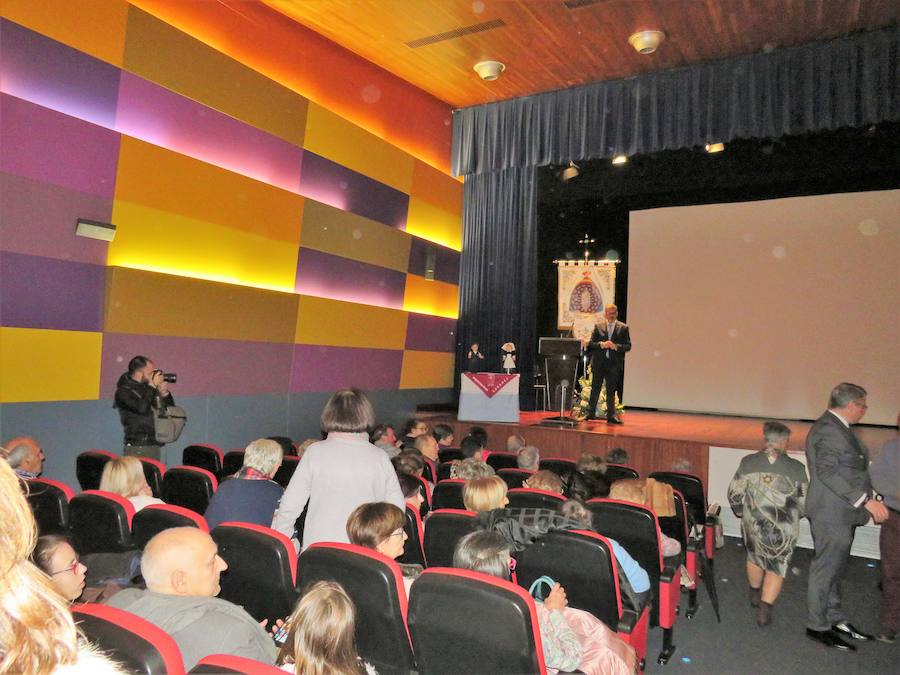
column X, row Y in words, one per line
column 190, row 487
column 154, row 470
column 89, row 467
column 502, row 460
column 443, row 529
column 616, row 472
column 449, row 454
column 375, row 584
column 413, row 553
column 443, row 471
column 468, row 622
column 100, row 522
column 429, row 471
column 558, row 465
column 514, row 477
column 448, row 494
column 225, row 663
column 153, row 519
column 529, row 498
column 701, row 526
column 232, row 463
column 286, row 470
column 205, row 456
column 140, row 646
column 49, row 501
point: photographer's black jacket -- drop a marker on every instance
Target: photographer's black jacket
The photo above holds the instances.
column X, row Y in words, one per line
column 135, row 402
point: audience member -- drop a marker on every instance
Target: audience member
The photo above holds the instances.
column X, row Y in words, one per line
column 633, row 491
column 411, row 487
column 684, row 465
column 589, row 462
column 471, row 448
column 379, row 526
column 37, row 632
column 320, row 634
column 124, row 476
column 55, row 557
column 885, row 473
column 25, row 456
column 636, row 575
column 287, row 445
column 338, row 474
column 480, row 433
column 571, row 639
column 304, row 446
column 617, row 456
column 586, row 485
column 443, row 434
column 413, row 428
column 409, row 462
column 485, row 494
column 470, row 468
column 427, row 447
column 181, row 567
column 515, row 443
column 544, row 480
column 384, row 437
column 251, row 496
column 528, row 458
column 767, row 493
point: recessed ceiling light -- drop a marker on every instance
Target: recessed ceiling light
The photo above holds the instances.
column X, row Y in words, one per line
column 94, row 229
column 618, row 160
column 646, row 41
column 712, row 148
column 489, row 70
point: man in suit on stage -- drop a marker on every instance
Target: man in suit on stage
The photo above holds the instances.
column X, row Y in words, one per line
column 840, row 499
column 609, row 342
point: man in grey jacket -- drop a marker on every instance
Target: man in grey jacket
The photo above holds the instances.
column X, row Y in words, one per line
column 840, row 499
column 181, row 567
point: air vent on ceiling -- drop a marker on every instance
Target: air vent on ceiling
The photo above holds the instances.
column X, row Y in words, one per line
column 578, row 4
column 456, row 33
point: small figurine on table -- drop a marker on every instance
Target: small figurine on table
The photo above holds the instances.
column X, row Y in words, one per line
column 474, row 360
column 509, row 356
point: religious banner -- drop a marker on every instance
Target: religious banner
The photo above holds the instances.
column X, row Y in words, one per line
column 585, row 288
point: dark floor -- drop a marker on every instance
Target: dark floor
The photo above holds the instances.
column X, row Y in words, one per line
column 738, row 646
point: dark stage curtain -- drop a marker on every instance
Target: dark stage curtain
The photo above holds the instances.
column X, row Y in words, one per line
column 498, row 268
column 850, row 81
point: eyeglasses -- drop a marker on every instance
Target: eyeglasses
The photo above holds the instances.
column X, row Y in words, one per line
column 860, row 405
column 71, row 568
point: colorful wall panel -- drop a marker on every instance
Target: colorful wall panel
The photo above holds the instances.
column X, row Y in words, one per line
column 348, row 324
column 426, row 370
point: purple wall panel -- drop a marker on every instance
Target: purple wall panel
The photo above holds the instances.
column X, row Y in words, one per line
column 54, row 148
column 317, row 368
column 49, row 73
column 49, row 293
column 430, row 333
column 204, row 367
column 330, row 276
column 335, row 185
column 156, row 115
column 446, row 263
column 39, row 219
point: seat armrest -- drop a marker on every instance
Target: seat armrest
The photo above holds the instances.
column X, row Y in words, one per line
column 627, row 621
column 667, row 574
column 669, row 594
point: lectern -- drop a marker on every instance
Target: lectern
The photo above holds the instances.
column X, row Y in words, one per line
column 561, row 361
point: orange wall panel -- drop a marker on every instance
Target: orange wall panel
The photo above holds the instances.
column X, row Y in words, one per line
column 431, row 297
column 426, row 370
column 348, row 324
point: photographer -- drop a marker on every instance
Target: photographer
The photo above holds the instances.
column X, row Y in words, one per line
column 138, row 392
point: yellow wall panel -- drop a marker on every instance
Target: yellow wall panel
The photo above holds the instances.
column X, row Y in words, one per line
column 345, row 234
column 434, row 223
column 348, row 324
column 331, row 136
column 158, row 241
column 49, row 365
column 163, row 54
column 161, row 304
column 426, row 370
column 96, row 27
column 431, row 297
column 437, row 188
column 167, row 181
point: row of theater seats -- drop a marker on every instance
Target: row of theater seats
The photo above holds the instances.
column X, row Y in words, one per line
column 507, row 462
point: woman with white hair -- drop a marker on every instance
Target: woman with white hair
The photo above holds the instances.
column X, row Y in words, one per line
column 251, row 496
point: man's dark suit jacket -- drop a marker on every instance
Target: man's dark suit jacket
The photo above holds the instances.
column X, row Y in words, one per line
column 620, row 337
column 838, row 466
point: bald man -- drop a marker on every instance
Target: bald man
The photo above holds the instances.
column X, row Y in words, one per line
column 181, row 567
column 25, row 456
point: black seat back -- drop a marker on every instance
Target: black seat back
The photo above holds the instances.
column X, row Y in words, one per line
column 413, row 553
column 616, row 472
column 529, row 498
column 375, row 584
column 558, row 465
column 468, row 622
column 49, row 501
column 232, row 462
column 443, row 470
column 429, row 471
column 449, row 454
column 691, row 487
column 502, row 460
column 514, row 477
column 676, row 526
column 204, row 456
column 287, row 445
column 286, row 470
column 100, row 522
column 580, row 560
column 262, row 569
column 443, row 529
column 153, row 519
column 154, row 470
column 448, row 494
column 89, row 467
column 190, row 487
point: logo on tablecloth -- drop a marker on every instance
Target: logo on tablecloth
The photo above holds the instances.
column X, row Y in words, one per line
column 490, row 383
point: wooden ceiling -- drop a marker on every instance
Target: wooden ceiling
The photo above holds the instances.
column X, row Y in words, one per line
column 556, row 44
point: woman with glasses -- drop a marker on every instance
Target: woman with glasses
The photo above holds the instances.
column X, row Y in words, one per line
column 379, row 526
column 55, row 556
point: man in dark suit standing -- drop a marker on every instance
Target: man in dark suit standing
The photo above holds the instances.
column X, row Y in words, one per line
column 840, row 499
column 609, row 342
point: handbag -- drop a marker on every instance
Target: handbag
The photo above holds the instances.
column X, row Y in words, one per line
column 535, row 589
column 168, row 423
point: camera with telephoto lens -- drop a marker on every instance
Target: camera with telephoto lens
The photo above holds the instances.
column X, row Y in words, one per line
column 170, row 378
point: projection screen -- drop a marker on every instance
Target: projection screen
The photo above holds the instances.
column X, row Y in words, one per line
column 760, row 308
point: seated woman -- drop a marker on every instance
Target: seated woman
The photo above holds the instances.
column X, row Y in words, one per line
column 124, row 476
column 411, row 487
column 571, row 639
column 586, row 485
column 632, row 491
column 54, row 555
column 471, row 468
column 379, row 526
column 485, row 494
column 251, row 496
column 544, row 480
column 320, row 634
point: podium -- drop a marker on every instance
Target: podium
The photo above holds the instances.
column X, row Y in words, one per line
column 562, row 357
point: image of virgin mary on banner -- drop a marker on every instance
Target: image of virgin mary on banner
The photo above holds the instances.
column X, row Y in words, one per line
column 585, row 288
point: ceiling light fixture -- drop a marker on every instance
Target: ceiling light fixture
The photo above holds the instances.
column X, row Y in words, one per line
column 570, row 172
column 619, row 160
column 713, row 148
column 94, row 229
column 646, row 41
column 489, row 70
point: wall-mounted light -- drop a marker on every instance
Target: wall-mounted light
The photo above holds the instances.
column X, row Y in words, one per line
column 619, row 160
column 570, row 172
column 94, row 229
column 713, row 148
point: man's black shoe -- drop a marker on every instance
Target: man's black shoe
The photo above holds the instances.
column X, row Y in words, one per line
column 847, row 629
column 830, row 639
column 614, row 420
column 591, row 418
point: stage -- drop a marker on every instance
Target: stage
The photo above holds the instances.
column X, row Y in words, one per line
column 713, row 444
